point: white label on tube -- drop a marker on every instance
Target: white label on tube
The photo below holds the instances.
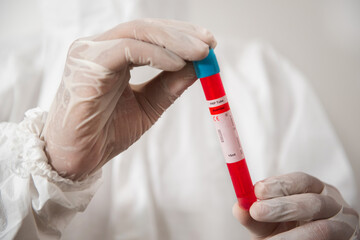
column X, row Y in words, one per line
column 217, row 102
column 226, row 130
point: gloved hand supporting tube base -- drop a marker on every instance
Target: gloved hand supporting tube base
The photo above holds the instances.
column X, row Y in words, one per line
column 299, row 206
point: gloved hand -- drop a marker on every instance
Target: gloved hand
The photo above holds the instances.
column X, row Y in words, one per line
column 298, row 206
column 96, row 113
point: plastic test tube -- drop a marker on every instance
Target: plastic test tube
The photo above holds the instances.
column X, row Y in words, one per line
column 208, row 72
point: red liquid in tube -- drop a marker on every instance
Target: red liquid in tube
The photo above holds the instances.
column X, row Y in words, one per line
column 229, row 139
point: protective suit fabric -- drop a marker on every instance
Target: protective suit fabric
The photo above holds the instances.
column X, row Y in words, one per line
column 35, row 202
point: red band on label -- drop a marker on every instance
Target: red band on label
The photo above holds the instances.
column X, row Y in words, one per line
column 219, row 109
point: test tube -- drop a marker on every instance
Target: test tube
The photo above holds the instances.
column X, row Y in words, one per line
column 209, row 73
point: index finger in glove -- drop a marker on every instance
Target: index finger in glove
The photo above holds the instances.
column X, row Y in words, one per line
column 289, row 184
column 117, row 54
column 299, row 207
column 188, row 41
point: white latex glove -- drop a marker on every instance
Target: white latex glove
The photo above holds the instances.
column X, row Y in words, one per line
column 298, row 206
column 96, row 113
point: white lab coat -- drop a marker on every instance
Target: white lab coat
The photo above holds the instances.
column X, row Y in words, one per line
column 172, row 183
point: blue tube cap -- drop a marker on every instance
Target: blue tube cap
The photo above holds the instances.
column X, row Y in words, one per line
column 208, row 66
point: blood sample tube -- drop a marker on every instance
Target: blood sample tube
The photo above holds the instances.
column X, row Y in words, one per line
column 208, row 71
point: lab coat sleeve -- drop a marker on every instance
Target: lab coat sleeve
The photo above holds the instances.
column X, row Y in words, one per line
column 35, row 201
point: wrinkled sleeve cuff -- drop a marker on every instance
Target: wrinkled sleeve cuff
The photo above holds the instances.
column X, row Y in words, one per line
column 30, row 187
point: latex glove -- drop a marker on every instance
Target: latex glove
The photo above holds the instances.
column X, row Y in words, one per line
column 96, row 113
column 298, row 206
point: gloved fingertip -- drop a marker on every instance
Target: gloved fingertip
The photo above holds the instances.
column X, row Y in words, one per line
column 257, row 228
column 241, row 214
column 210, row 39
column 255, row 211
column 213, row 44
column 260, row 190
column 200, row 52
column 177, row 66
